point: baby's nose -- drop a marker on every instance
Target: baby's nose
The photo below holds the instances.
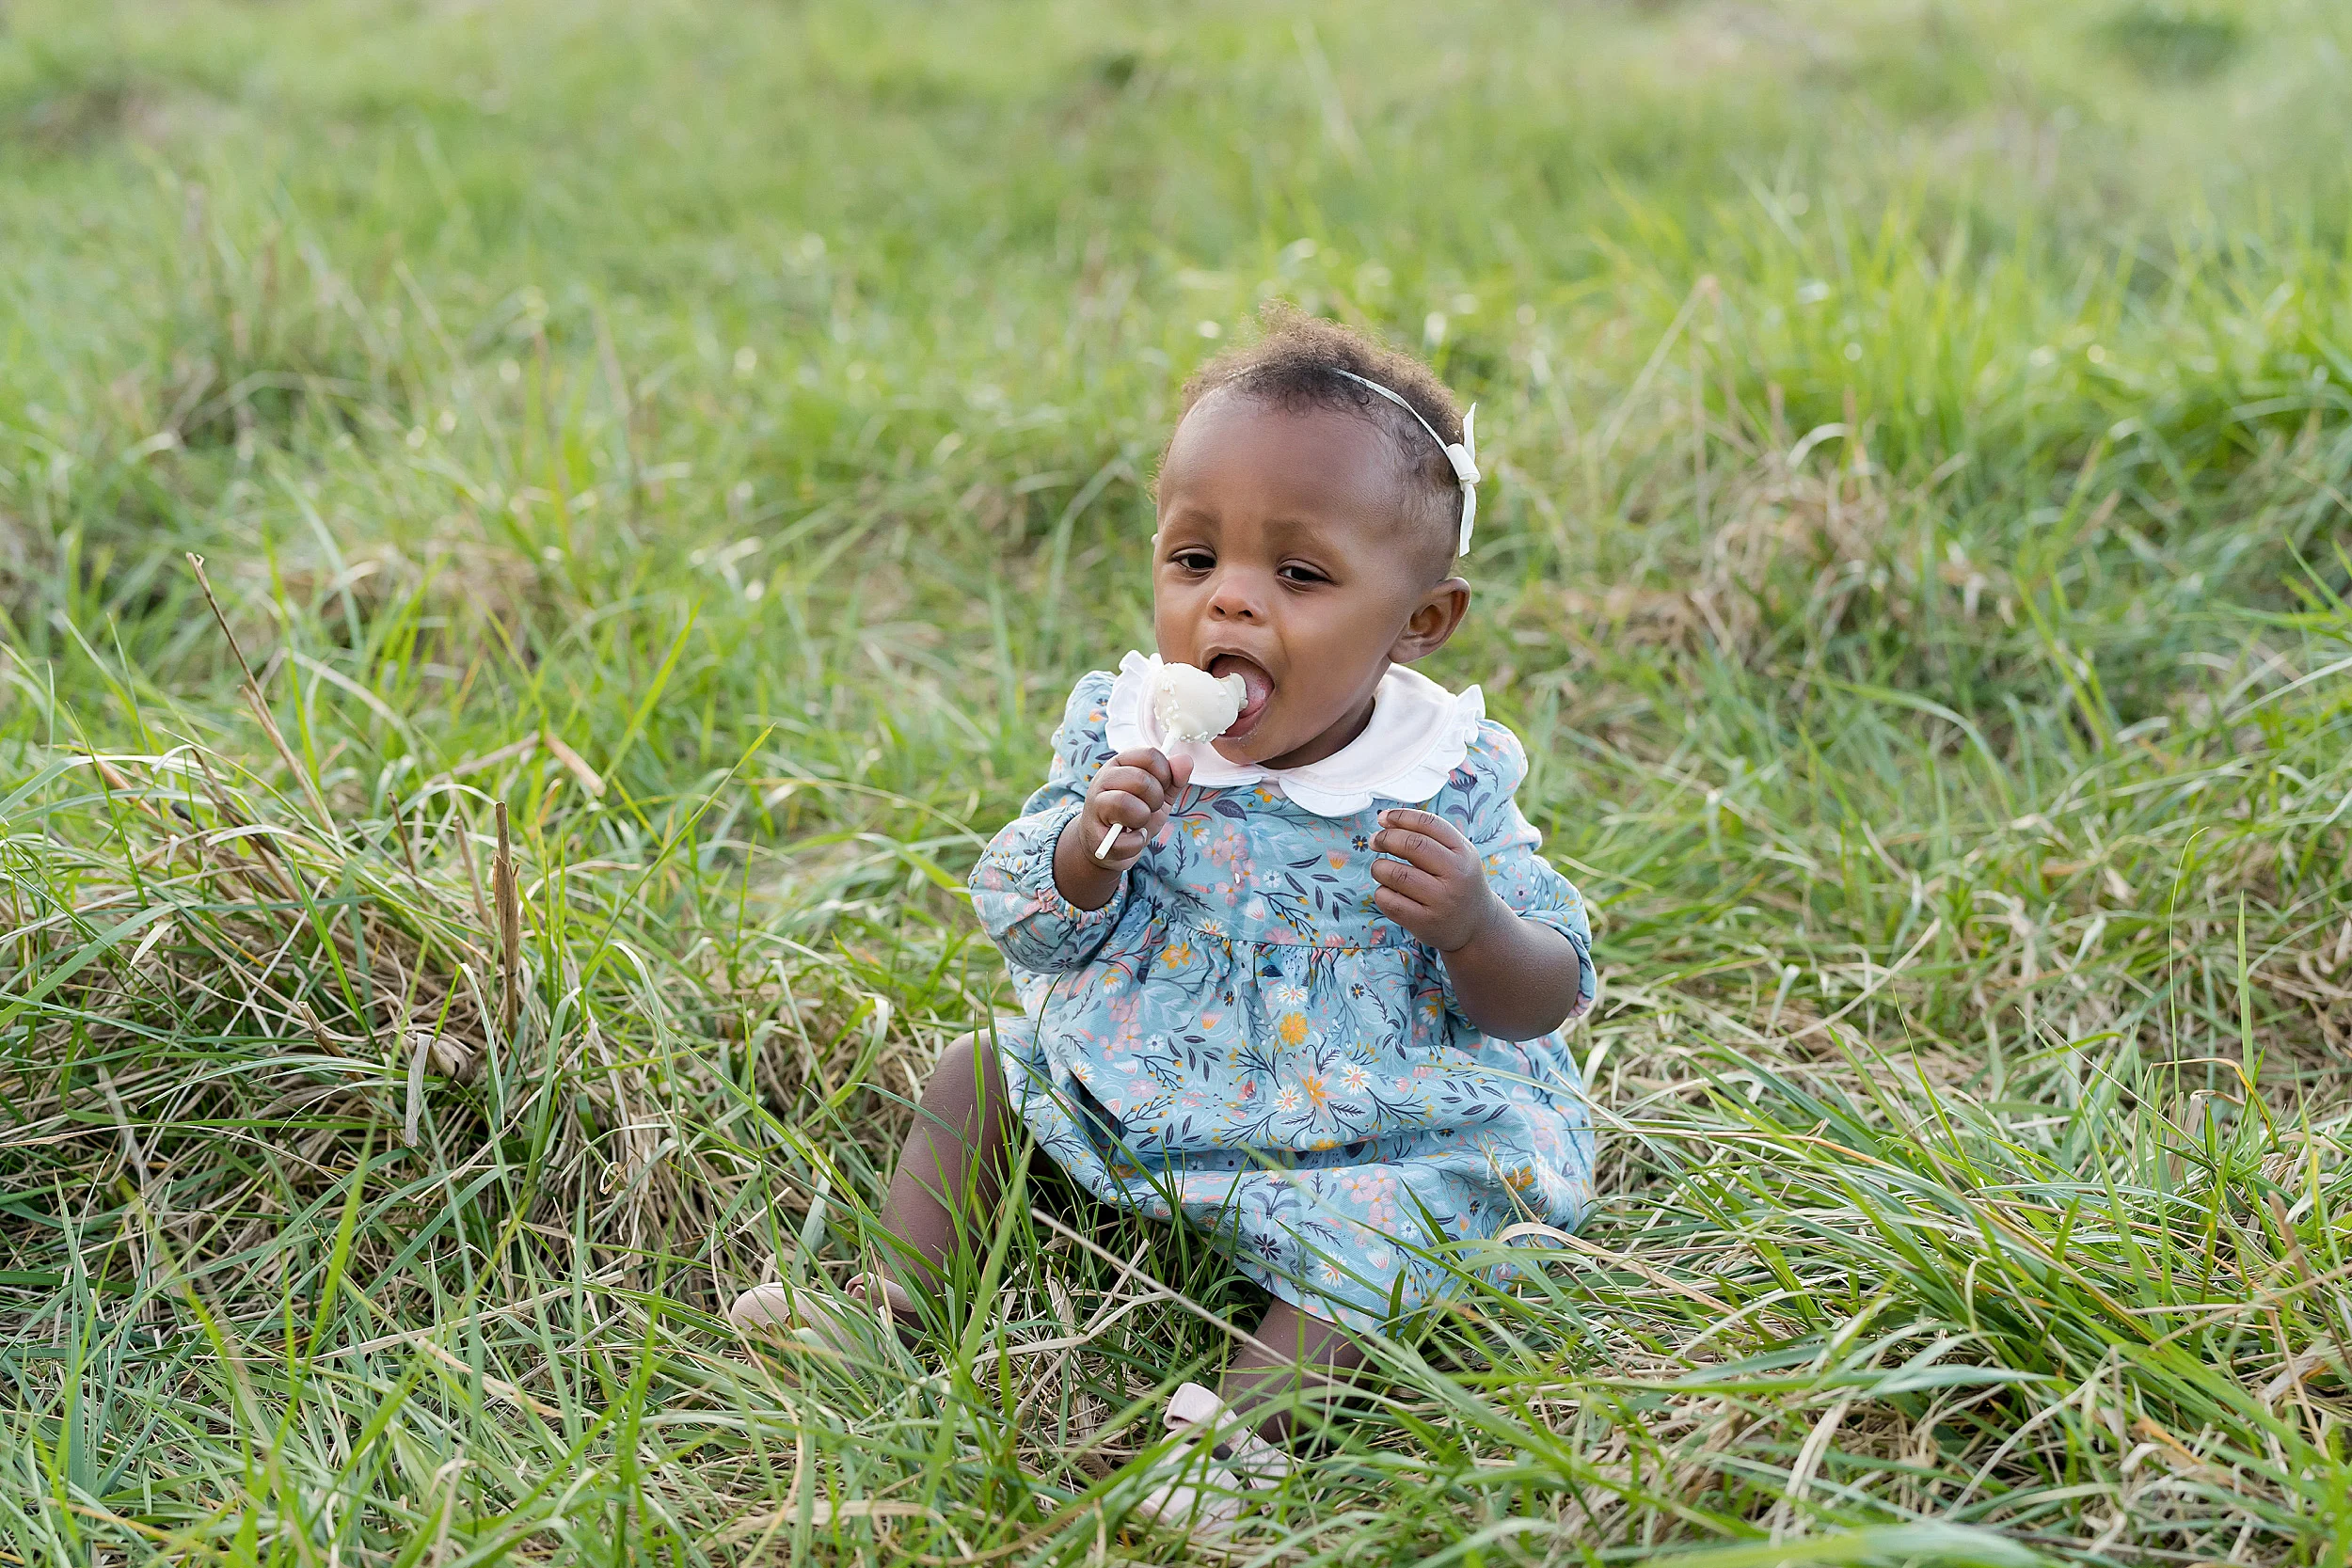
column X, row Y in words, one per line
column 1233, row 602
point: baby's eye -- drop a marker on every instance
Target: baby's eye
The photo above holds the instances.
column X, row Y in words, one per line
column 1293, row 572
column 1193, row 561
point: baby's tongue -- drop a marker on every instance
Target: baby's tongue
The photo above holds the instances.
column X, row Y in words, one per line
column 1257, row 685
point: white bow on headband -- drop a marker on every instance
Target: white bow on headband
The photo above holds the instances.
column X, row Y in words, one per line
column 1463, row 453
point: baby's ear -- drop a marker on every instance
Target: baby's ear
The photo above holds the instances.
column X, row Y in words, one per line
column 1433, row 622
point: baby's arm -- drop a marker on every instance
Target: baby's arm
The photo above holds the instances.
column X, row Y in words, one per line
column 1515, row 978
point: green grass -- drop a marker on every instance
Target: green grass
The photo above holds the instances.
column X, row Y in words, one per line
column 1917, row 563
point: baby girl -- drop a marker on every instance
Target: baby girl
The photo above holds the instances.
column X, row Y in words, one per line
column 1301, row 985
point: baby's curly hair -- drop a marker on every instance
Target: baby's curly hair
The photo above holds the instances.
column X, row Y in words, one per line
column 1291, row 366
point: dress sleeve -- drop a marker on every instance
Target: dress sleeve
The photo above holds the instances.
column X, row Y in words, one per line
column 1012, row 887
column 1507, row 841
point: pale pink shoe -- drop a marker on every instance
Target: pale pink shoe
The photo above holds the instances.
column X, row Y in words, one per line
column 849, row 1323
column 1204, row 1481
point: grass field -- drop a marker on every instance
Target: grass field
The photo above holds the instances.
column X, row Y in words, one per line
column 715, row 437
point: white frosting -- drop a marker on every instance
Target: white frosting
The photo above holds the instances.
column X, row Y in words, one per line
column 1417, row 735
column 1194, row 705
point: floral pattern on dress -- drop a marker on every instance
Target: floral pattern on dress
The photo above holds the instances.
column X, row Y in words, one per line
column 1242, row 1039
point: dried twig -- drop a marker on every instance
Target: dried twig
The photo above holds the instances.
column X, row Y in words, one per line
column 473, row 876
column 309, row 1020
column 260, row 707
column 510, row 931
column 590, row 780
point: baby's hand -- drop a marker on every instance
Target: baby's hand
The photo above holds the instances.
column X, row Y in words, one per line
column 1436, row 888
column 1129, row 803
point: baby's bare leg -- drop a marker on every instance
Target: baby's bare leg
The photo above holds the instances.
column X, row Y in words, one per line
column 952, row 1169
column 1302, row 1352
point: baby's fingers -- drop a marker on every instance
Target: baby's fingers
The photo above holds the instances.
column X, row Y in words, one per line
column 1113, row 845
column 1431, row 843
column 1154, row 762
column 1125, row 818
column 1416, row 918
column 1135, row 783
column 1427, row 823
column 1407, row 881
column 1119, row 818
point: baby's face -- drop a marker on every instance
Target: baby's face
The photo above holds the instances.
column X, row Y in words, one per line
column 1285, row 555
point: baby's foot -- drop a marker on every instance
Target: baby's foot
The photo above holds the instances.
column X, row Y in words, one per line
column 1203, row 1483
column 850, row 1323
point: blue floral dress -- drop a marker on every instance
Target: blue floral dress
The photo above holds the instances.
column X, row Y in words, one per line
column 1239, row 1036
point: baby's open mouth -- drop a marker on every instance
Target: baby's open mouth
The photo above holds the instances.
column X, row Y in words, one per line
column 1259, row 692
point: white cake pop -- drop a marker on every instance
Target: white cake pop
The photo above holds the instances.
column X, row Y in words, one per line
column 1195, row 705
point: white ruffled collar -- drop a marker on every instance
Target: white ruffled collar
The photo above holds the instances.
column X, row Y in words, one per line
column 1417, row 735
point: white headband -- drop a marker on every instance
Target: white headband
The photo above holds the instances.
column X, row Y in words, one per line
column 1463, row 453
